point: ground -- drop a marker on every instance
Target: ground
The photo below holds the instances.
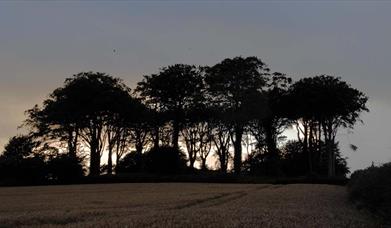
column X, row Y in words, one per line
column 180, row 205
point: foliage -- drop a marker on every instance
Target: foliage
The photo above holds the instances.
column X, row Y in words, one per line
column 65, row 169
column 20, row 164
column 233, row 84
column 326, row 97
column 165, row 160
column 91, row 108
column 320, row 105
column 205, row 110
column 23, row 162
column 173, row 88
column 173, row 91
column 19, row 147
column 31, row 170
column 132, row 162
column 292, row 162
column 371, row 187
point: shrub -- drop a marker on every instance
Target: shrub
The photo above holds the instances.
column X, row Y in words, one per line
column 131, row 163
column 29, row 170
column 262, row 164
column 165, row 160
column 371, row 187
column 65, row 169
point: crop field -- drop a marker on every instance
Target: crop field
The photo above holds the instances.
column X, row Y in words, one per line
column 180, row 205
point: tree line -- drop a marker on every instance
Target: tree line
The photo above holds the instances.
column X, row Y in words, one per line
column 195, row 112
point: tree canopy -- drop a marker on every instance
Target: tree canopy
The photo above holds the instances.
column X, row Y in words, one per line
column 210, row 112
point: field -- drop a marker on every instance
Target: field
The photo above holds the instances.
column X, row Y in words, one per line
column 180, row 205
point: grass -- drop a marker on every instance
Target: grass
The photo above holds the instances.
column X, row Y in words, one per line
column 180, row 205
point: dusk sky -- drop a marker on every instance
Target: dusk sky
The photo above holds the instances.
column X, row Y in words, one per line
column 42, row 43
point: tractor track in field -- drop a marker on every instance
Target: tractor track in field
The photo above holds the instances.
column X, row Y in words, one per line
column 221, row 199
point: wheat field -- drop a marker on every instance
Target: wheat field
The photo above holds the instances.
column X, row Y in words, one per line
column 180, row 205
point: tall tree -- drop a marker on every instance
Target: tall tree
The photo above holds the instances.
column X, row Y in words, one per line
column 222, row 143
column 126, row 116
column 270, row 119
column 324, row 104
column 171, row 91
column 82, row 111
column 275, row 122
column 54, row 126
column 230, row 83
column 191, row 139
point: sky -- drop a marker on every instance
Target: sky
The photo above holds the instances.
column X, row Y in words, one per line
column 42, row 43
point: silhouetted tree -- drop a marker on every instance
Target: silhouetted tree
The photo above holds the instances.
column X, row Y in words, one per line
column 55, row 125
column 230, row 83
column 21, row 161
column 270, row 120
column 205, row 108
column 191, row 139
column 323, row 104
column 276, row 121
column 205, row 143
column 19, row 147
column 171, row 91
column 86, row 107
column 128, row 126
column 222, row 143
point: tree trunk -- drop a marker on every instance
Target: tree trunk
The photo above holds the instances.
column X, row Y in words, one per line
column 203, row 164
column 271, row 143
column 94, row 153
column 331, row 169
column 72, row 143
column 156, row 139
column 116, row 162
column 191, row 161
column 110, row 161
column 329, row 149
column 175, row 134
column 305, row 144
column 194, row 154
column 221, row 143
column 319, row 151
column 238, row 149
column 310, row 149
column 94, row 160
column 117, row 152
column 139, row 143
column 270, row 138
column 223, row 163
